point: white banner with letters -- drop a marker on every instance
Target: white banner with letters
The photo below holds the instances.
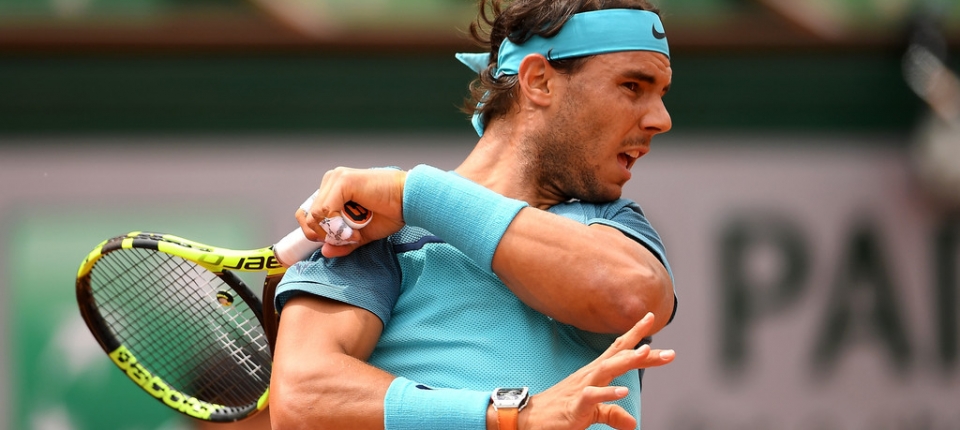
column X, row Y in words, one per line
column 818, row 289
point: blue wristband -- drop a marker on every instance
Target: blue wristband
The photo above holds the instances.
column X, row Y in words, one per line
column 461, row 212
column 411, row 406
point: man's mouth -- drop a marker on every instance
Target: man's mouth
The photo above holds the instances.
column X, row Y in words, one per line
column 629, row 157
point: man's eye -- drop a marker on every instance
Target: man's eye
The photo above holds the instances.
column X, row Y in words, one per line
column 632, row 86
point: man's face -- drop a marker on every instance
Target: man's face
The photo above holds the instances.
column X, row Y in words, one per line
column 605, row 116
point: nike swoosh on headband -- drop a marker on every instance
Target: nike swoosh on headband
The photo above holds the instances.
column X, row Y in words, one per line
column 658, row 34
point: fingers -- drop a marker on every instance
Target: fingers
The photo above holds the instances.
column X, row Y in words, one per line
column 644, row 357
column 322, row 212
column 328, row 230
column 629, row 340
column 378, row 191
column 593, row 395
column 325, row 204
column 624, row 361
column 623, row 355
column 303, row 218
column 632, row 337
column 321, row 209
column 584, row 397
column 616, row 417
column 664, row 355
column 595, row 400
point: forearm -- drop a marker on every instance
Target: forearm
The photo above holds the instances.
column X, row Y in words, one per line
column 595, row 278
column 334, row 391
column 592, row 277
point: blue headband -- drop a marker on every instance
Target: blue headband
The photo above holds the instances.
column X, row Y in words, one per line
column 586, row 33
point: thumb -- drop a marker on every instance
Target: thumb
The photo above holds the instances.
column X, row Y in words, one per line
column 615, row 416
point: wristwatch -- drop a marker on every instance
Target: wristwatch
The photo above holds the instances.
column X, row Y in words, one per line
column 508, row 402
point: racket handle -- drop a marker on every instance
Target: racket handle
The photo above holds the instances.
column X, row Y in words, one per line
column 294, row 247
column 354, row 215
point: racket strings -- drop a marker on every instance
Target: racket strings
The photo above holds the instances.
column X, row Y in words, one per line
column 166, row 311
column 202, row 383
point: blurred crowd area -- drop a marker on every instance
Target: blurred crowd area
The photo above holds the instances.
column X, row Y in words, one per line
column 282, row 66
column 715, row 23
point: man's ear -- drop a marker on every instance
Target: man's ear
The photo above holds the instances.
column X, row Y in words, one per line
column 536, row 78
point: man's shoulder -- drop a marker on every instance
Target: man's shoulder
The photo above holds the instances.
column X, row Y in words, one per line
column 590, row 210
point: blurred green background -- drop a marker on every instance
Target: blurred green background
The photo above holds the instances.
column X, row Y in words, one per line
column 169, row 66
column 791, row 192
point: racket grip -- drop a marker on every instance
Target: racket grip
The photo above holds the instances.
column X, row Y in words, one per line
column 294, row 247
column 353, row 214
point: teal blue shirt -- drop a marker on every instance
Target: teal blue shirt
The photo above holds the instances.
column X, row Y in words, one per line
column 448, row 323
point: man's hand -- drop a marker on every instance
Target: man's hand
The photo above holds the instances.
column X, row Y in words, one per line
column 578, row 401
column 378, row 190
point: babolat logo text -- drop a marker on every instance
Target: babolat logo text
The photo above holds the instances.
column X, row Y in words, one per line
column 159, row 389
column 255, row 263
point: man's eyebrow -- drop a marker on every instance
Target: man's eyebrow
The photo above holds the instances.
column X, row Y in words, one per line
column 640, row 76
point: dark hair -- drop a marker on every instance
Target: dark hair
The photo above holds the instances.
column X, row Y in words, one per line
column 519, row 20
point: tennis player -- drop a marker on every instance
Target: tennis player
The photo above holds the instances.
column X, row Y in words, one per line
column 513, row 292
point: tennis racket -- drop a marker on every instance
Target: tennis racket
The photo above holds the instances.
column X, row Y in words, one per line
column 172, row 314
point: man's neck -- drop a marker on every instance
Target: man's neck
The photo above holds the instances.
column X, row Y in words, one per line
column 499, row 162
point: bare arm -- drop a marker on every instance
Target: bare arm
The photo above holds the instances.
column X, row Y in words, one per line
column 592, row 277
column 319, row 377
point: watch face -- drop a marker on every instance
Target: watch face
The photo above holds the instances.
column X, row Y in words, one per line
column 510, row 394
column 510, row 397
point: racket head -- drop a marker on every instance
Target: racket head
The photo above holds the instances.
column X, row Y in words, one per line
column 179, row 325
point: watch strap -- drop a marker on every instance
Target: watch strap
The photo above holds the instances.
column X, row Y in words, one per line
column 507, row 418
